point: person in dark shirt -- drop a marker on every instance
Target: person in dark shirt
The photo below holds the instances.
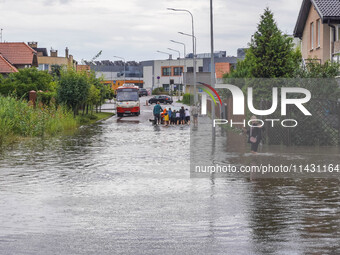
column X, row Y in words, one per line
column 157, row 113
column 255, row 135
column 182, row 115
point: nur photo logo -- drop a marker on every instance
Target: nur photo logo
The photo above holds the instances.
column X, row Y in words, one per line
column 239, row 100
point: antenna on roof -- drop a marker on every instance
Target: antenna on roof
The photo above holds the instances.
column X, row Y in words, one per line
column 1, row 35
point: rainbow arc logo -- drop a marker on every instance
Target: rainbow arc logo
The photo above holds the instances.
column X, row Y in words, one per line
column 209, row 90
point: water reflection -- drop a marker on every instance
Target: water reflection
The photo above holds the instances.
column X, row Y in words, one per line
column 124, row 188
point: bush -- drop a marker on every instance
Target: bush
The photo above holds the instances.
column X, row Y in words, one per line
column 20, row 83
column 18, row 118
column 46, row 97
column 159, row 91
column 187, row 99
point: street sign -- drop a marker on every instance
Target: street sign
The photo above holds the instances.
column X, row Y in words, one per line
column 158, row 77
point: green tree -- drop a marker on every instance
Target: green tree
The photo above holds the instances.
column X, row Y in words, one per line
column 73, row 89
column 25, row 80
column 271, row 54
column 56, row 71
column 93, row 98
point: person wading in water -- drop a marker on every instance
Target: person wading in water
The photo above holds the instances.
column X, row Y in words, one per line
column 255, row 135
column 157, row 113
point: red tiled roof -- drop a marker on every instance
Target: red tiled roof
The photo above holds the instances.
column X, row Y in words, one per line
column 6, row 67
column 17, row 53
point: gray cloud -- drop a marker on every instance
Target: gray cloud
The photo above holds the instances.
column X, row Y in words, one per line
column 137, row 29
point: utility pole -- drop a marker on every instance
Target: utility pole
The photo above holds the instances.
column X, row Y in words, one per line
column 212, row 62
column 1, row 35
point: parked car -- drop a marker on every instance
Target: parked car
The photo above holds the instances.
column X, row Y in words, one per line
column 142, row 92
column 163, row 99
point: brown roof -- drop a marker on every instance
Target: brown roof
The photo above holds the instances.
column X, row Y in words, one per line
column 6, row 67
column 17, row 53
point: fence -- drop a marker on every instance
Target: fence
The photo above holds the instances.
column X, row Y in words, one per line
column 322, row 128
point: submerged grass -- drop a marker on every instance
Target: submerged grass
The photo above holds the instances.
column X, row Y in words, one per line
column 19, row 119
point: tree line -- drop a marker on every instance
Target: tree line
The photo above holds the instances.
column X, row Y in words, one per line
column 79, row 91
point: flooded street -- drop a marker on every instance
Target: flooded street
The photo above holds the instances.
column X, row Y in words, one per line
column 123, row 186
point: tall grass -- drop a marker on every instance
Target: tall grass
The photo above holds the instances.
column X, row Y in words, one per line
column 19, row 119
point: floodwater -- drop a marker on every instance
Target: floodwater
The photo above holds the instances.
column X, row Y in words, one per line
column 122, row 186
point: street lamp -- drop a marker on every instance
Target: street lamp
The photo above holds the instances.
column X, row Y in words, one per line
column 194, row 38
column 194, row 63
column 169, row 63
column 185, row 66
column 179, row 56
column 124, row 65
column 193, row 46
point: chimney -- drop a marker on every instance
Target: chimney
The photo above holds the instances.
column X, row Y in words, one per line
column 54, row 53
column 33, row 44
column 66, row 52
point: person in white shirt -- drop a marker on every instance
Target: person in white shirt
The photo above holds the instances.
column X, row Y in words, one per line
column 177, row 117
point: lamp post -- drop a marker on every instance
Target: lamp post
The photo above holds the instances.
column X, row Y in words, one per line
column 179, row 56
column 124, row 65
column 193, row 46
column 169, row 64
column 194, row 64
column 185, row 66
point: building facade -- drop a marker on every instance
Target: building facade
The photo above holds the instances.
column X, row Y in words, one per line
column 175, row 74
column 318, row 26
column 47, row 61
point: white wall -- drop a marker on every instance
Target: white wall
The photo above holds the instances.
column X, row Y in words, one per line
column 108, row 76
column 158, row 64
column 147, row 77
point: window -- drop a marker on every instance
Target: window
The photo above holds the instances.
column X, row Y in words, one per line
column 43, row 67
column 178, row 87
column 318, row 32
column 166, row 87
column 178, row 71
column 200, row 69
column 338, row 32
column 166, row 71
column 312, row 36
column 190, row 69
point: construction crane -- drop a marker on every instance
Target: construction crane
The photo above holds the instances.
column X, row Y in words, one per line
column 83, row 61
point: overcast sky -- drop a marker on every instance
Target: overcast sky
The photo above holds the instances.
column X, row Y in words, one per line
column 136, row 29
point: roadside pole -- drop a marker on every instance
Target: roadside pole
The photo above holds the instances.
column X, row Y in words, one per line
column 212, row 66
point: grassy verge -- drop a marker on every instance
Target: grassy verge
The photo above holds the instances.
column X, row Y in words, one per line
column 19, row 120
column 93, row 118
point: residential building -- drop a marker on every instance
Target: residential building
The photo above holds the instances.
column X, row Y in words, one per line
column 6, row 67
column 16, row 55
column 318, row 26
column 46, row 62
column 175, row 74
